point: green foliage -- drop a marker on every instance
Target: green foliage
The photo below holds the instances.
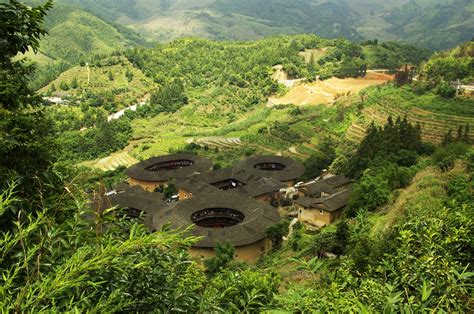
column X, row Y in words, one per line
column 170, row 190
column 224, row 256
column 368, row 194
column 64, row 86
column 387, row 142
column 243, row 291
column 321, row 160
column 276, row 233
column 445, row 157
column 419, row 263
column 170, row 97
column 101, row 140
column 26, row 147
column 445, row 90
column 453, row 65
column 106, row 264
column 393, row 55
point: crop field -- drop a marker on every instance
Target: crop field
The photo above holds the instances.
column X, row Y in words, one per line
column 114, row 161
column 217, row 142
column 326, row 92
column 433, row 125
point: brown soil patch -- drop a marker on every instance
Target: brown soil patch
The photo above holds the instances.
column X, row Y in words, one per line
column 325, row 92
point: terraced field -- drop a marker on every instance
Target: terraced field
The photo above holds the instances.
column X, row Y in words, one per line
column 325, row 92
column 217, row 142
column 114, row 161
column 433, row 125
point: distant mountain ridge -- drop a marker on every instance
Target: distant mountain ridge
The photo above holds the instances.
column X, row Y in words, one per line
column 434, row 24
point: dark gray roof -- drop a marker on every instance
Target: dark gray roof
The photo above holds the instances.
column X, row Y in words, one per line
column 331, row 203
column 317, row 188
column 263, row 186
column 225, row 174
column 293, row 169
column 336, row 181
column 194, row 186
column 258, row 216
column 128, row 197
column 251, row 188
column 139, row 172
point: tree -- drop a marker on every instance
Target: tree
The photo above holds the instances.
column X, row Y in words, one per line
column 64, row 86
column 224, row 256
column 404, row 76
column 369, row 193
column 129, row 75
column 276, row 233
column 74, row 83
column 26, row 143
column 110, row 76
column 170, row 97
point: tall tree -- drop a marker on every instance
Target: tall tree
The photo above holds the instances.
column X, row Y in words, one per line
column 26, row 150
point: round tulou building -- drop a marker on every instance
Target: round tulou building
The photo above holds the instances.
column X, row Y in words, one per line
column 280, row 168
column 156, row 172
column 221, row 218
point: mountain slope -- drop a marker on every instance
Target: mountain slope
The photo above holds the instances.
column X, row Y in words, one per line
column 434, row 24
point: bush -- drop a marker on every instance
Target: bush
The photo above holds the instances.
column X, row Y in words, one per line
column 368, row 194
column 445, row 90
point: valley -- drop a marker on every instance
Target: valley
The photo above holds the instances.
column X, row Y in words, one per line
column 219, row 156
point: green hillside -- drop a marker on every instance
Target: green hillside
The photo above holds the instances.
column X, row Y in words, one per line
column 432, row 24
column 112, row 82
column 76, row 35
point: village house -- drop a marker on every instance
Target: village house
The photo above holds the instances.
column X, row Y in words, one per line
column 220, row 218
column 131, row 199
column 322, row 211
column 279, row 168
column 230, row 180
column 155, row 173
column 324, row 185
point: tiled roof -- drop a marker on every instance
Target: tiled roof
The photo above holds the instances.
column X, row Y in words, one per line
column 292, row 169
column 331, row 203
column 139, row 171
column 257, row 217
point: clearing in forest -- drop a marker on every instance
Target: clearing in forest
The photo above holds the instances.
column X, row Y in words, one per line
column 325, row 92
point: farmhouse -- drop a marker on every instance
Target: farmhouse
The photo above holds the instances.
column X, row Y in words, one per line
column 231, row 180
column 264, row 190
column 324, row 186
column 221, row 218
column 156, row 172
column 189, row 187
column 322, row 211
column 279, row 168
column 131, row 199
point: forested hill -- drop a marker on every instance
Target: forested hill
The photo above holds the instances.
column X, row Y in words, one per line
column 75, row 34
column 435, row 24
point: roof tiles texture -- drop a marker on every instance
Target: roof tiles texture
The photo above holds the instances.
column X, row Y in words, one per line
column 139, row 171
column 292, row 169
column 258, row 216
